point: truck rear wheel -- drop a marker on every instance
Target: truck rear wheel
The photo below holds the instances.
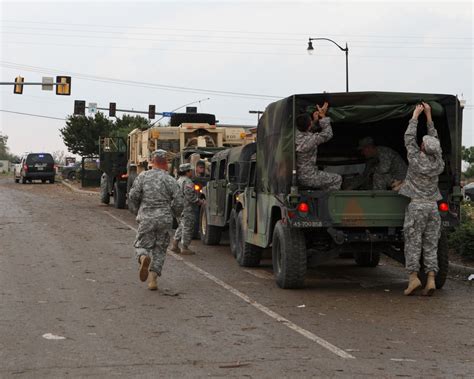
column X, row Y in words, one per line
column 246, row 254
column 120, row 196
column 443, row 263
column 104, row 190
column 289, row 256
column 367, row 258
column 233, row 232
column 210, row 234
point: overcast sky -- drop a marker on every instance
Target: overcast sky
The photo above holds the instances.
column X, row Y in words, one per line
column 253, row 48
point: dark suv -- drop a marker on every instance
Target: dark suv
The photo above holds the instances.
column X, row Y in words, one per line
column 37, row 166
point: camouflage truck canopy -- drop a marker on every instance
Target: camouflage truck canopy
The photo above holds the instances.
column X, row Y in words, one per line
column 382, row 115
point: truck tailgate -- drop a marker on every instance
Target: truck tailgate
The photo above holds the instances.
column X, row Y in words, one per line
column 367, row 208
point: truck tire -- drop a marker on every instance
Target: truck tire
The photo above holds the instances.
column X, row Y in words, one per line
column 131, row 178
column 210, row 234
column 367, row 258
column 233, row 232
column 120, row 196
column 246, row 254
column 443, row 263
column 289, row 257
column 104, row 190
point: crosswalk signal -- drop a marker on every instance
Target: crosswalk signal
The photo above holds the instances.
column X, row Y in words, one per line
column 18, row 88
column 151, row 112
column 63, row 85
column 112, row 109
column 80, row 107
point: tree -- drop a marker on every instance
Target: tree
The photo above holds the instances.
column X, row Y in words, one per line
column 59, row 157
column 468, row 156
column 81, row 134
column 5, row 151
column 127, row 123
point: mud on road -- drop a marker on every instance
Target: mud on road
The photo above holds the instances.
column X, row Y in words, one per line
column 67, row 270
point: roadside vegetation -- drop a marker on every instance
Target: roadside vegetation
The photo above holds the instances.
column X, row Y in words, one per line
column 462, row 239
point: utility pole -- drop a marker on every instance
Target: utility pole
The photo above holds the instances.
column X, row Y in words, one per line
column 258, row 113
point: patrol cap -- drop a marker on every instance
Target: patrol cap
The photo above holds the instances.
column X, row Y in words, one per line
column 184, row 167
column 160, row 153
column 432, row 145
column 366, row 141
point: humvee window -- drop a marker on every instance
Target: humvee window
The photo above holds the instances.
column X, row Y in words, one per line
column 213, row 170
column 222, row 165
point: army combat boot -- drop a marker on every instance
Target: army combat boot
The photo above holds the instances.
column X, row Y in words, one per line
column 413, row 284
column 430, row 284
column 144, row 265
column 187, row 251
column 174, row 246
column 152, row 285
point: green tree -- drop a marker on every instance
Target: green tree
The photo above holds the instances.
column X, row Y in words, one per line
column 127, row 123
column 468, row 156
column 5, row 151
column 81, row 134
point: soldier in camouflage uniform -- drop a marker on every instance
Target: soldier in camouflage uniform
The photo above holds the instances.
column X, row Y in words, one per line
column 156, row 196
column 422, row 226
column 185, row 230
column 385, row 165
column 307, row 144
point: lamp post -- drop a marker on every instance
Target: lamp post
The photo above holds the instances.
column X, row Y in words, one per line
column 346, row 50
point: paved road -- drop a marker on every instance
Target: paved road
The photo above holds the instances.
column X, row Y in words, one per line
column 66, row 269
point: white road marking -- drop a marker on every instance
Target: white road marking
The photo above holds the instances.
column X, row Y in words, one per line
column 50, row 336
column 284, row 321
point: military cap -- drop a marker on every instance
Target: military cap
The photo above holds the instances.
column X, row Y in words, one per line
column 160, row 153
column 184, row 167
column 367, row 141
column 432, row 145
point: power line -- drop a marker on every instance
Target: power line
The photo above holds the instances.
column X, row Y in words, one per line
column 138, row 83
column 32, row 115
column 245, row 32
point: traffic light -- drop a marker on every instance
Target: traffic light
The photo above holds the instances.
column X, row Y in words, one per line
column 18, row 88
column 80, row 107
column 63, row 86
column 112, row 109
column 151, row 112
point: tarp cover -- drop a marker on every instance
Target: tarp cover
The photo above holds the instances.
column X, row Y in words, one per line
column 355, row 112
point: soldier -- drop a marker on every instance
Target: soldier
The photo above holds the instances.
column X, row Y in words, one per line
column 422, row 226
column 307, row 150
column 156, row 196
column 185, row 230
column 385, row 166
column 200, row 169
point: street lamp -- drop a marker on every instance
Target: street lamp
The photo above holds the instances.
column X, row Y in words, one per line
column 310, row 50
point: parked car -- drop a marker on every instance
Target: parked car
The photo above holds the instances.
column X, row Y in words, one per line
column 37, row 166
column 70, row 172
column 469, row 192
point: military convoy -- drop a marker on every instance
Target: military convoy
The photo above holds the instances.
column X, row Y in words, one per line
column 190, row 137
column 253, row 190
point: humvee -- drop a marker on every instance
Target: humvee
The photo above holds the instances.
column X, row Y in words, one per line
column 304, row 226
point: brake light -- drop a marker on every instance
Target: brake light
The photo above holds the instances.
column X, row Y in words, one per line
column 303, row 207
column 197, row 188
column 25, row 167
column 443, row 207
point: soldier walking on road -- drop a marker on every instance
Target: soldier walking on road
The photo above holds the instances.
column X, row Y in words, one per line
column 185, row 230
column 156, row 196
column 307, row 144
column 422, row 226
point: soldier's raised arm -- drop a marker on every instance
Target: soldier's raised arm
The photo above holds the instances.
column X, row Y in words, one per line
column 429, row 121
column 410, row 135
column 136, row 192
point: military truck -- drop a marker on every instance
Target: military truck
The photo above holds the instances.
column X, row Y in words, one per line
column 228, row 177
column 305, row 226
column 122, row 160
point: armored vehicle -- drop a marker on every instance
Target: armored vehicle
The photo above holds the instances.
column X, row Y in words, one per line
column 304, row 226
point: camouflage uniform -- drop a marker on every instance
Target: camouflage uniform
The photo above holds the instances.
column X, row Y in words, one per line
column 156, row 195
column 185, row 230
column 389, row 167
column 306, row 156
column 422, row 226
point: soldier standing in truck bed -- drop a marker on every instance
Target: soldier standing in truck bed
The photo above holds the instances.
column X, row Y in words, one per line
column 307, row 144
column 185, row 230
column 156, row 196
column 422, row 226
